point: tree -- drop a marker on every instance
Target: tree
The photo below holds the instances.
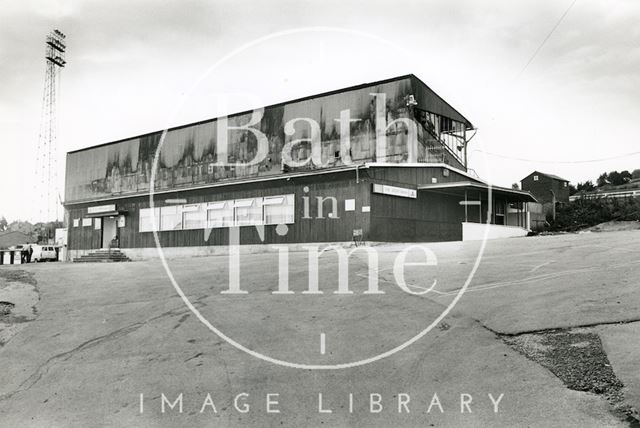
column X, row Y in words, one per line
column 626, row 176
column 572, row 189
column 635, row 174
column 587, row 186
column 4, row 225
column 603, row 179
column 515, row 186
column 614, row 178
column 583, row 213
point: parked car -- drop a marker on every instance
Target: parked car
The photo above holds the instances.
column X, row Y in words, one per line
column 43, row 253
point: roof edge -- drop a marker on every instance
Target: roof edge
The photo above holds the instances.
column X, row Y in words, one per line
column 443, row 100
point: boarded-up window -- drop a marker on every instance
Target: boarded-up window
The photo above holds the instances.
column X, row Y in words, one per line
column 248, row 211
column 194, row 216
column 220, row 214
column 279, row 209
column 171, row 218
column 146, row 219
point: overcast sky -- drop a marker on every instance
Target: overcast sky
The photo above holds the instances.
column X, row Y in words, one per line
column 132, row 63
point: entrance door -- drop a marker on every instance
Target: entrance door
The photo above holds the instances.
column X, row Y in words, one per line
column 108, row 230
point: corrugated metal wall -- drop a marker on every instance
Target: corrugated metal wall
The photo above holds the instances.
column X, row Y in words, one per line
column 189, row 154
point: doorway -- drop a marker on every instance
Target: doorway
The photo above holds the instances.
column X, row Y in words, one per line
column 109, row 230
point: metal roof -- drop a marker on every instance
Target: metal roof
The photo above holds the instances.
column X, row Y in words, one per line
column 519, row 195
column 555, row 177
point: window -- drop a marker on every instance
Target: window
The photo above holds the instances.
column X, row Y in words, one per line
column 86, row 222
column 535, row 178
column 248, row 211
column 279, row 209
column 194, row 216
column 171, row 218
column 220, row 214
column 147, row 217
column 565, row 184
column 76, row 222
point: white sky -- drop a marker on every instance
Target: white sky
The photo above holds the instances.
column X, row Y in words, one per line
column 131, row 62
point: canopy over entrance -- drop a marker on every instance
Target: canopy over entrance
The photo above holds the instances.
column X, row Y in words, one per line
column 473, row 188
column 506, row 207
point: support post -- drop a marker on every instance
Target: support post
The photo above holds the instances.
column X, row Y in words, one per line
column 466, row 209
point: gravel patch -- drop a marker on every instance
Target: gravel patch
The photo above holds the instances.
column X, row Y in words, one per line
column 19, row 296
column 577, row 358
column 17, row 275
column 5, row 308
column 615, row 226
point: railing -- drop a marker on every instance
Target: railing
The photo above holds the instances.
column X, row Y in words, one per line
column 623, row 194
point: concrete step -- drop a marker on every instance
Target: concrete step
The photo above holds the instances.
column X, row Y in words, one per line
column 102, row 256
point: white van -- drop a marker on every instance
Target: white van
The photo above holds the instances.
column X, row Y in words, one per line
column 42, row 253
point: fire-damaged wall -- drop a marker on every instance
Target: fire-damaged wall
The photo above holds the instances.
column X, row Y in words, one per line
column 191, row 155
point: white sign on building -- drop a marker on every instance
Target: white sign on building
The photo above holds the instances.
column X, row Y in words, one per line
column 395, row 191
column 101, row 209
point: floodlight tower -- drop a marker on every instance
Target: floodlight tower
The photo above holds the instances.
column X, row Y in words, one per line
column 46, row 180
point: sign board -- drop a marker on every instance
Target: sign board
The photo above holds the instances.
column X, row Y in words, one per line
column 470, row 203
column 175, row 201
column 350, row 205
column 121, row 221
column 101, row 209
column 61, row 236
column 395, row 191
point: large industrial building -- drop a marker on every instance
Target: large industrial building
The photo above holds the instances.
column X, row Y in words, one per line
column 382, row 161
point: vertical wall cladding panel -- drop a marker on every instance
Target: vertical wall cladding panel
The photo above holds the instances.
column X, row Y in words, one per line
column 429, row 218
column 189, row 155
column 341, row 186
column 540, row 188
column 82, row 237
column 414, row 176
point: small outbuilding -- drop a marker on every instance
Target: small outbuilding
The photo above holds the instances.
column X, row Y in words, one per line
column 547, row 188
column 12, row 238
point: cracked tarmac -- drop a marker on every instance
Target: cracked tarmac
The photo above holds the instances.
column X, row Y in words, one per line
column 104, row 334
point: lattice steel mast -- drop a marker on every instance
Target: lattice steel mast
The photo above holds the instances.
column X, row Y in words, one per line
column 46, row 161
